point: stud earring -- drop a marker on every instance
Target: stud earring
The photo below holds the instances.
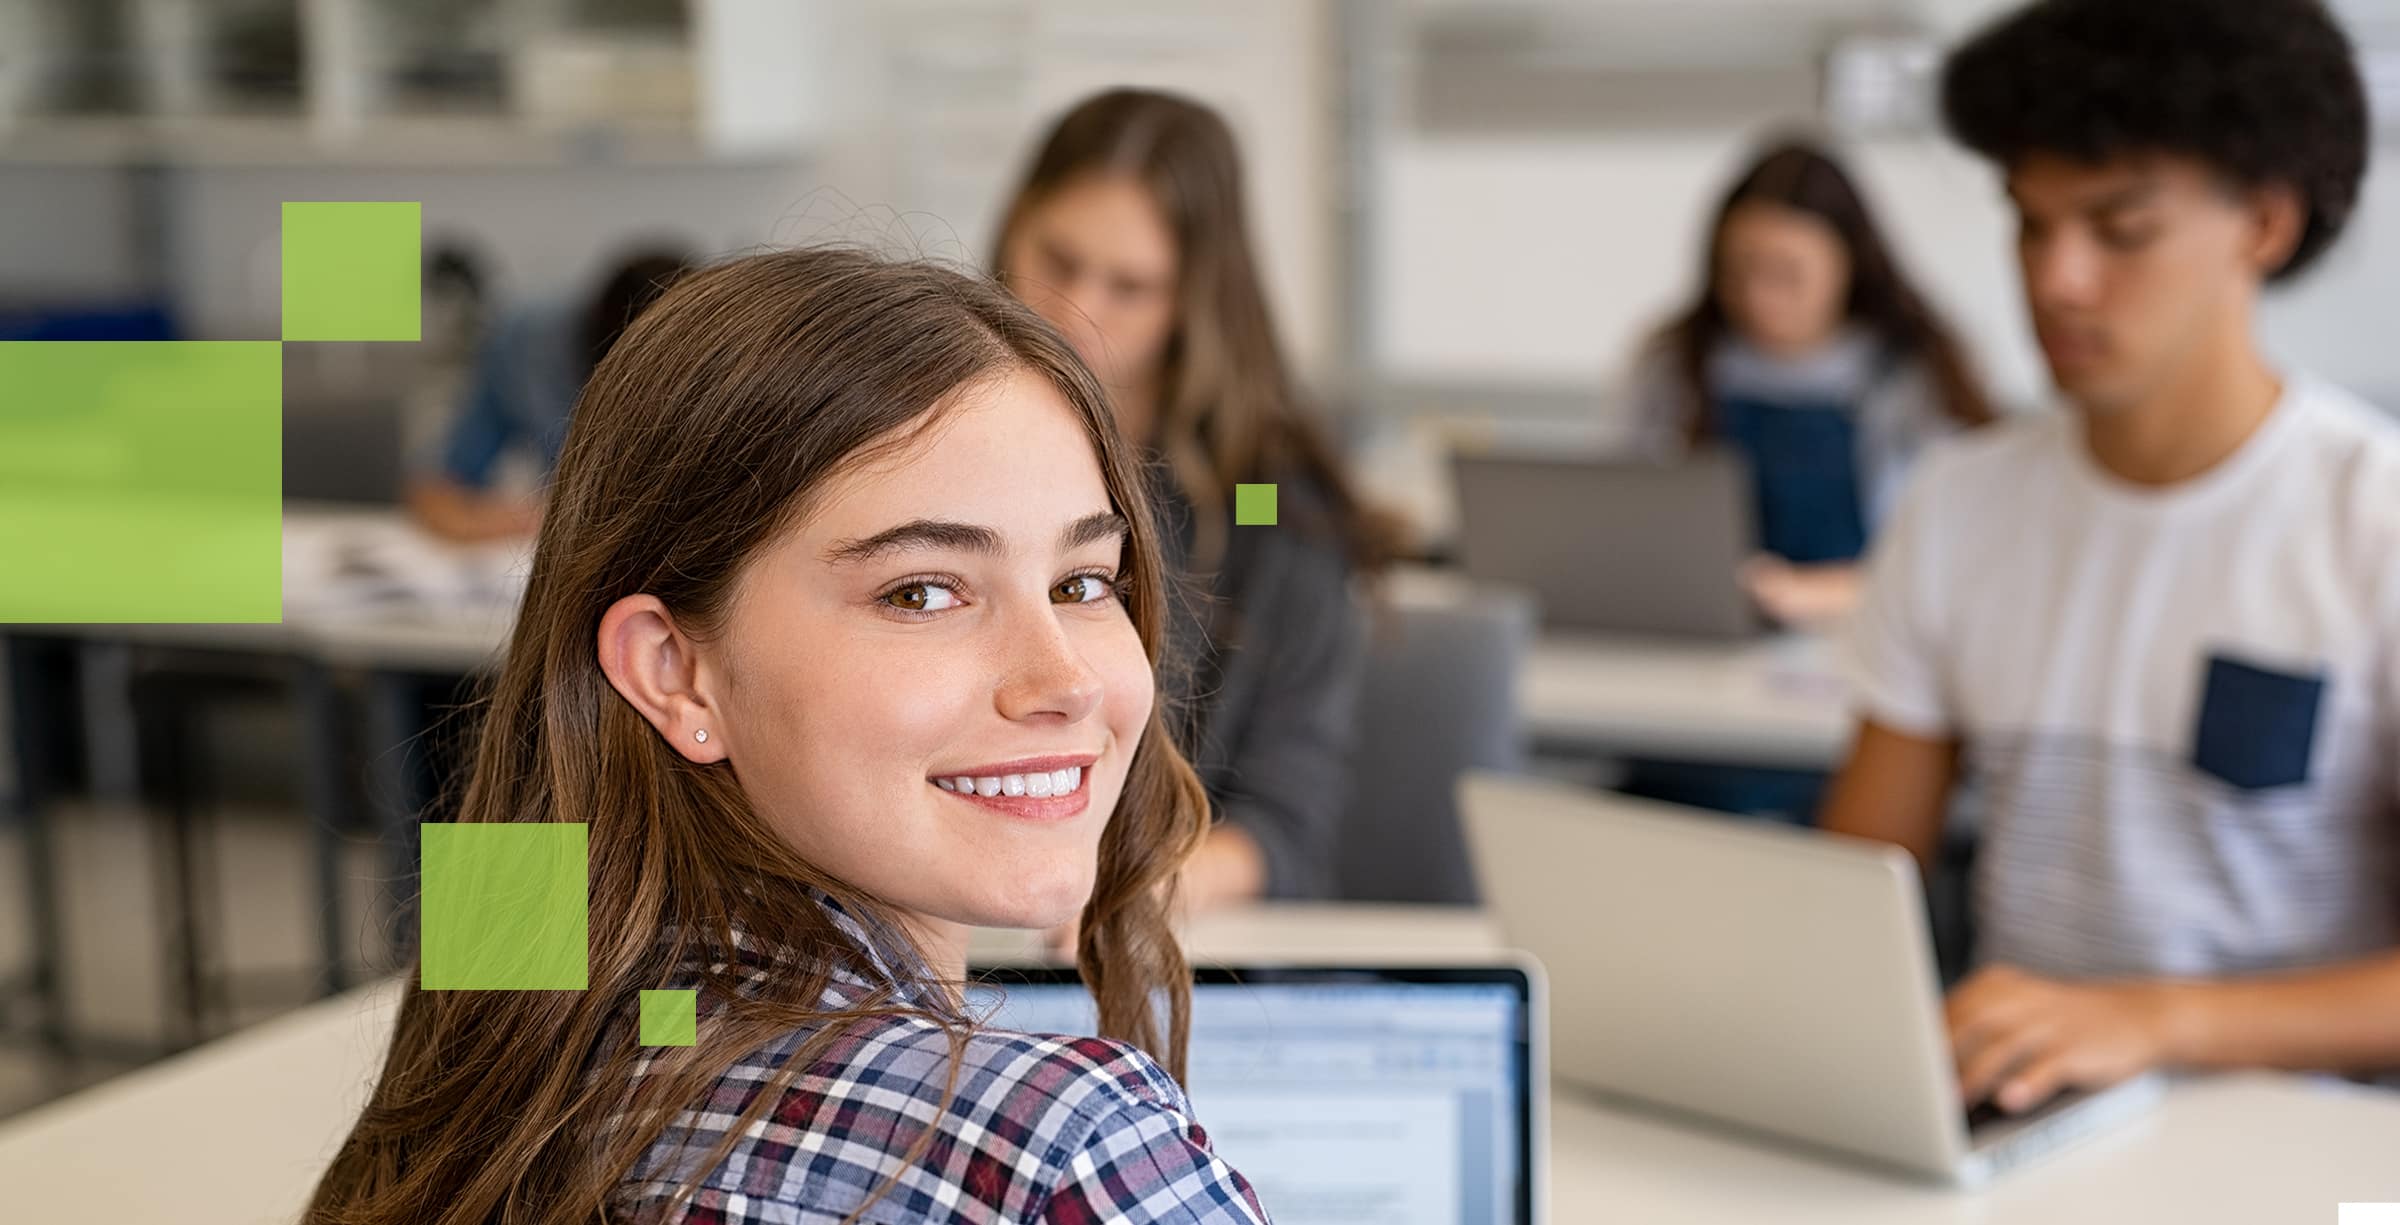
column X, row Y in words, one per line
column 701, row 735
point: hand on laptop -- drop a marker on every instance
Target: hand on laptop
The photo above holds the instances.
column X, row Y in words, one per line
column 1801, row 595
column 2020, row 1039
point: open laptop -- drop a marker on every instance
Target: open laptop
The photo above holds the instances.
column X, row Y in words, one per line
column 1615, row 546
column 1760, row 975
column 1408, row 1095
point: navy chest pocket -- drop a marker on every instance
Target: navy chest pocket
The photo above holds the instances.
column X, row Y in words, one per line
column 2258, row 726
column 1804, row 470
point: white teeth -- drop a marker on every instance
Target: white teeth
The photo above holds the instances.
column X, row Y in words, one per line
column 1054, row 782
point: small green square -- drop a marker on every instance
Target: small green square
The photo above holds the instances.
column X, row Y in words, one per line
column 1254, row 505
column 670, row 1018
column 351, row 270
column 505, row 907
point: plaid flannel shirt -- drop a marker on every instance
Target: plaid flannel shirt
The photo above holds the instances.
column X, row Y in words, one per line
column 1054, row 1130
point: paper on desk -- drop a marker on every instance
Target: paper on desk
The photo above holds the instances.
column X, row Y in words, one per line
column 383, row 567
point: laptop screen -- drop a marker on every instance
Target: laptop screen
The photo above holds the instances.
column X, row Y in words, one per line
column 1400, row 1097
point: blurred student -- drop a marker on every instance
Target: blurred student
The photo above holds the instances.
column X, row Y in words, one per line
column 2156, row 632
column 1811, row 353
column 457, row 317
column 1128, row 234
column 526, row 376
column 842, row 642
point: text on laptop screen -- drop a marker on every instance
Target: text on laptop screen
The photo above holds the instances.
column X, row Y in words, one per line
column 1338, row 1100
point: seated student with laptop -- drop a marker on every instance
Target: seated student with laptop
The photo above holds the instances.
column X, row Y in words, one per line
column 1810, row 354
column 1772, row 979
column 2156, row 632
column 526, row 377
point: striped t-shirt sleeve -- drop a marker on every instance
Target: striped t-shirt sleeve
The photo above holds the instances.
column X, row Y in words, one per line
column 1891, row 655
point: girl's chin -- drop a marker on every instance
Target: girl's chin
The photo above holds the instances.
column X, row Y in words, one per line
column 1041, row 911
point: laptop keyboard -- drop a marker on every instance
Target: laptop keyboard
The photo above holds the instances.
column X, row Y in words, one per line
column 1983, row 1114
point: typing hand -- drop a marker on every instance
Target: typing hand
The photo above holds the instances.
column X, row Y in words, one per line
column 2019, row 1039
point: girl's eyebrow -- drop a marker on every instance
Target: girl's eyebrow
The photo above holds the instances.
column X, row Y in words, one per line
column 1092, row 529
column 952, row 536
column 916, row 534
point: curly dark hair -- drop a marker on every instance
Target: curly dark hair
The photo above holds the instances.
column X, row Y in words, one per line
column 2267, row 92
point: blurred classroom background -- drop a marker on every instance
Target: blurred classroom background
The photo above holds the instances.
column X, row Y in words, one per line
column 1470, row 213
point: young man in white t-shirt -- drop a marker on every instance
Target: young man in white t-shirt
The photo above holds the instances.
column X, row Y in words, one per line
column 2155, row 634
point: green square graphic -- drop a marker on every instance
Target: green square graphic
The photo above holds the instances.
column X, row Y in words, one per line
column 504, row 907
column 141, row 481
column 1254, row 505
column 670, row 1018
column 351, row 270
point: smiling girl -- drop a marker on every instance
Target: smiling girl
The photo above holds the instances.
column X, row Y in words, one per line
column 840, row 638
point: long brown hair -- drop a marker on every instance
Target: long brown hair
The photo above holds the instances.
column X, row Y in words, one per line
column 1800, row 176
column 1229, row 410
column 701, row 437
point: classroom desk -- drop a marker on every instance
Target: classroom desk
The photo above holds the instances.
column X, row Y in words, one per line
column 1774, row 702
column 236, row 1132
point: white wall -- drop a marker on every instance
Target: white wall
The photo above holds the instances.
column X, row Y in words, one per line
column 1542, row 262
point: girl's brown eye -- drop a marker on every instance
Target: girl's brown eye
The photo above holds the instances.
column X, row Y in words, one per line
column 921, row 597
column 1081, row 589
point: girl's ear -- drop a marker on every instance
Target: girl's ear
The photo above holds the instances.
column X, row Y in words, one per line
column 656, row 668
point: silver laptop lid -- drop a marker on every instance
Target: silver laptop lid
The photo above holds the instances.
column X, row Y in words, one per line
column 1613, row 546
column 1771, row 977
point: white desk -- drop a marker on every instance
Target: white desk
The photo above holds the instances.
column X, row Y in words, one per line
column 1766, row 702
column 238, row 1131
column 364, row 587
column 1776, row 702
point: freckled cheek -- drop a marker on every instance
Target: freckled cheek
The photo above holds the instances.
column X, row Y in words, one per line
column 858, row 719
column 1129, row 690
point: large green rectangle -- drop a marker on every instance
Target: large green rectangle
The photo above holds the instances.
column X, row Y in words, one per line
column 504, row 907
column 141, row 481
